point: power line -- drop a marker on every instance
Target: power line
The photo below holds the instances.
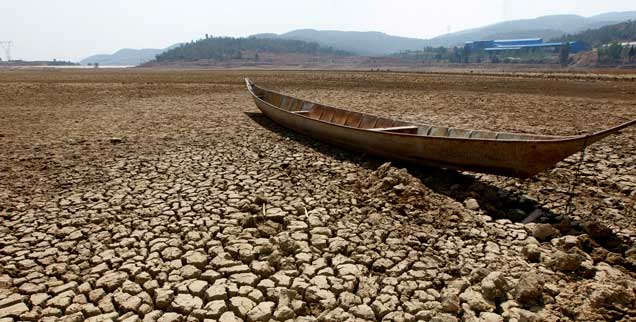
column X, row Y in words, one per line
column 506, row 9
column 6, row 45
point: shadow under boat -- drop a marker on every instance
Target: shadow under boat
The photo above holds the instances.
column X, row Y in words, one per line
column 496, row 202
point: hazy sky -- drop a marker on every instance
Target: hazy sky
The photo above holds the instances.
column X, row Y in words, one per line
column 74, row 29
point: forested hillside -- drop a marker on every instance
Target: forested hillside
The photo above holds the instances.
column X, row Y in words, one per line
column 542, row 27
column 618, row 33
column 229, row 48
column 365, row 43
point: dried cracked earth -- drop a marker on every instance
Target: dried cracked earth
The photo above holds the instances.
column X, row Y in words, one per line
column 144, row 195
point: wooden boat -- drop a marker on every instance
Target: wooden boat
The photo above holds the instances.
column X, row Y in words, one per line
column 509, row 154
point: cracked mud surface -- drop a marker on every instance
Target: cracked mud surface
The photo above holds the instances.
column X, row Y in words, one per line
column 142, row 195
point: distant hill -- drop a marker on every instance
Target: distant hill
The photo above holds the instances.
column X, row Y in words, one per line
column 125, row 57
column 617, row 33
column 546, row 27
column 614, row 16
column 367, row 43
column 379, row 44
column 371, row 43
column 229, row 48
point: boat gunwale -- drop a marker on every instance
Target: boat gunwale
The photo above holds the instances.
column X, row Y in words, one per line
column 552, row 139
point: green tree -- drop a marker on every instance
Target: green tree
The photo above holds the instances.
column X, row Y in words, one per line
column 457, row 56
column 564, row 54
column 614, row 53
column 466, row 54
column 611, row 54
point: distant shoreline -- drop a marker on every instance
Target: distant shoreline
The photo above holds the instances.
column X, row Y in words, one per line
column 510, row 70
column 62, row 67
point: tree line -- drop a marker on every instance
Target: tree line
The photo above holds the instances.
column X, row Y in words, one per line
column 608, row 41
column 594, row 38
column 616, row 53
column 464, row 55
column 434, row 54
column 230, row 48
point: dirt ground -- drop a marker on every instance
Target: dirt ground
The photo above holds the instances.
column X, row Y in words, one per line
column 164, row 195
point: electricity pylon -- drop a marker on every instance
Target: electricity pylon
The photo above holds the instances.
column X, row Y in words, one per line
column 6, row 45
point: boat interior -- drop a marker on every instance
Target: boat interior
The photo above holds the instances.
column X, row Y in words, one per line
column 380, row 124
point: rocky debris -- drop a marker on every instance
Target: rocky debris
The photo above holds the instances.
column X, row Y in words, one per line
column 216, row 292
column 171, row 317
column 529, row 290
column 532, row 252
column 171, row 253
column 245, row 279
column 127, row 303
column 163, row 298
column 476, row 301
column 214, row 309
column 567, row 242
column 521, row 315
column 198, row 287
column 186, row 303
column 220, row 215
column 490, row 317
column 563, row 261
column 363, row 311
column 31, row 288
column 229, row 317
column 494, row 286
column 111, row 281
column 197, row 259
column 442, row 317
column 619, row 297
column 449, row 300
column 471, row 204
column 241, row 305
column 261, row 312
column 13, row 310
column 606, row 237
column 544, row 232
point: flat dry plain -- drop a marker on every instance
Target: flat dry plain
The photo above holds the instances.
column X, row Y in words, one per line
column 165, row 196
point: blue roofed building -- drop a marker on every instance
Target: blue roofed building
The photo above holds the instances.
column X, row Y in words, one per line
column 519, row 44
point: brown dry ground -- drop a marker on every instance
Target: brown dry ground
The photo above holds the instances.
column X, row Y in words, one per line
column 184, row 130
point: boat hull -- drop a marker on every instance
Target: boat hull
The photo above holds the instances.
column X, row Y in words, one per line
column 515, row 158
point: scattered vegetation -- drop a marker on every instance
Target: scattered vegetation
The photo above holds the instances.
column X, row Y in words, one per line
column 433, row 55
column 56, row 62
column 229, row 48
column 594, row 38
column 615, row 54
column 607, row 41
column 465, row 55
column 53, row 62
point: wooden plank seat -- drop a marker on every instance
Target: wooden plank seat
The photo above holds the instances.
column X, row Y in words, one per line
column 395, row 128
